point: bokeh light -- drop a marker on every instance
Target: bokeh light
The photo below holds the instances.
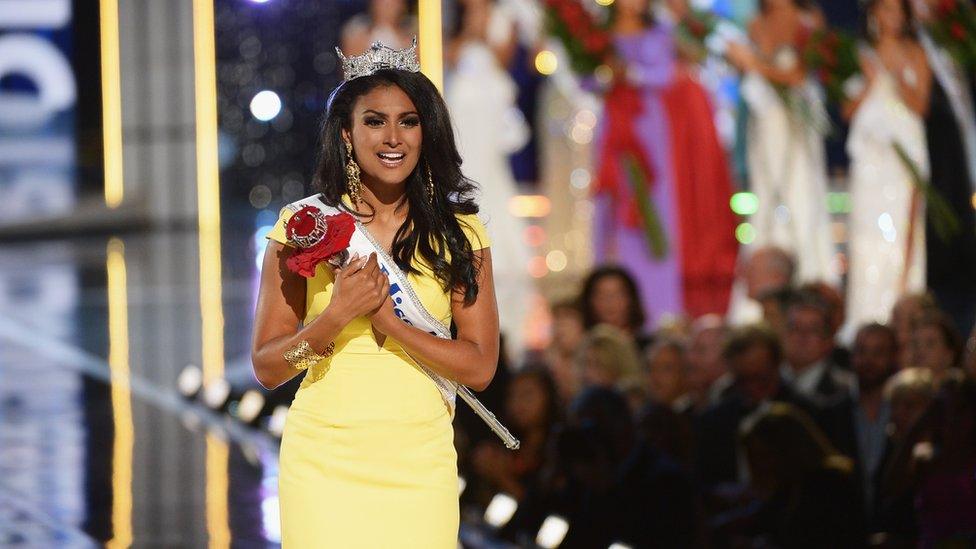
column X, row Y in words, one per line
column 745, row 233
column 744, row 203
column 546, row 62
column 265, row 105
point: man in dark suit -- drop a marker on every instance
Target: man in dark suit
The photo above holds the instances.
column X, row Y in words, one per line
column 753, row 355
column 808, row 343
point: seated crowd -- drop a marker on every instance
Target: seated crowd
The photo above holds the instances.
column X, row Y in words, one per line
column 711, row 434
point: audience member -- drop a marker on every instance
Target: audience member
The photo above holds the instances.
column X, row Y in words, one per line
column 531, row 408
column 567, row 335
column 935, row 344
column 705, row 364
column 667, row 375
column 806, row 489
column 908, row 308
column 807, row 345
column 753, row 355
column 607, row 358
column 837, row 313
column 610, row 296
column 766, row 270
column 875, row 360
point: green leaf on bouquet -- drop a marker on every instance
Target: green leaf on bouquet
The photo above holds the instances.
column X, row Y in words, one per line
column 944, row 220
column 653, row 229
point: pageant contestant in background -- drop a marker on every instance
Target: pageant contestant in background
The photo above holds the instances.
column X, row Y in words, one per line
column 633, row 143
column 785, row 148
column 950, row 128
column 481, row 96
column 387, row 22
column 703, row 183
column 367, row 456
column 886, row 224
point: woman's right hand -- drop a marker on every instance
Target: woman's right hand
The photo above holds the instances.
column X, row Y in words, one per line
column 360, row 287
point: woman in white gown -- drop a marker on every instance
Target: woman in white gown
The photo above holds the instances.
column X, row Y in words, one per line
column 887, row 223
column 481, row 97
column 785, row 151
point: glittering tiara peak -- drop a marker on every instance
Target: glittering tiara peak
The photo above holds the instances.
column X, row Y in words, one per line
column 377, row 57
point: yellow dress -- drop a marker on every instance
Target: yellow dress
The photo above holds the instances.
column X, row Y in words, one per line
column 367, row 454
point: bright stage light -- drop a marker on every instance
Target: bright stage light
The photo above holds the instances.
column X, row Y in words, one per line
column 500, row 510
column 216, row 394
column 462, row 484
column 190, row 381
column 276, row 425
column 251, row 406
column 265, row 105
column 552, row 532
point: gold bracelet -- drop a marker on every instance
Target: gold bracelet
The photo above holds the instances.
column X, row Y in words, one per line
column 302, row 356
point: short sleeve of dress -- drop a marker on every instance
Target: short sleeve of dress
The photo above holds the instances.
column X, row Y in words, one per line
column 278, row 231
column 474, row 229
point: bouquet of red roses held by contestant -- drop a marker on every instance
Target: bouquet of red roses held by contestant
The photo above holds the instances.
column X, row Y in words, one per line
column 953, row 26
column 319, row 238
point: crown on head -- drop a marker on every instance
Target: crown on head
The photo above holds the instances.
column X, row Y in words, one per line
column 377, row 57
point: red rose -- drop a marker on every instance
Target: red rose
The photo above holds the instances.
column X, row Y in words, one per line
column 338, row 233
column 957, row 30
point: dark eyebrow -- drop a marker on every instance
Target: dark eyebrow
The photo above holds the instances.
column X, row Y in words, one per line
column 384, row 115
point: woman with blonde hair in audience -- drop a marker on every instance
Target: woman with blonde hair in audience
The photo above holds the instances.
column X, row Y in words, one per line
column 607, row 358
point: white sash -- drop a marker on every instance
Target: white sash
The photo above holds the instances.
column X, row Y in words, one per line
column 408, row 307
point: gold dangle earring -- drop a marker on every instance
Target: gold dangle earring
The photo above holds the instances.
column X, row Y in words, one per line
column 430, row 186
column 353, row 183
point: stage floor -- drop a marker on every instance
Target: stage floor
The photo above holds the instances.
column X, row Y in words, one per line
column 96, row 444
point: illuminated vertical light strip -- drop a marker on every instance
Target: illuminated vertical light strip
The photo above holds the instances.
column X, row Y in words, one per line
column 108, row 12
column 208, row 189
column 218, row 488
column 208, row 216
column 431, row 51
column 118, row 360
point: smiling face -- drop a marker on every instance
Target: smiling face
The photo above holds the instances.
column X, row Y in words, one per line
column 386, row 136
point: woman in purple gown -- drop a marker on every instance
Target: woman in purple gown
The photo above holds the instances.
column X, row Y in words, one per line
column 634, row 139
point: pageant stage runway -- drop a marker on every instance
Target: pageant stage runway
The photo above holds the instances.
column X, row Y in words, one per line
column 86, row 457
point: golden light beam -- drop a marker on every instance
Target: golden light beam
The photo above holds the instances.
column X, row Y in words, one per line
column 208, row 218
column 118, row 360
column 218, row 486
column 431, row 48
column 208, row 189
column 108, row 12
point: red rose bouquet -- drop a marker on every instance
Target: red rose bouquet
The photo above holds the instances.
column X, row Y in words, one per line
column 831, row 55
column 953, row 26
column 319, row 238
column 693, row 30
column 586, row 40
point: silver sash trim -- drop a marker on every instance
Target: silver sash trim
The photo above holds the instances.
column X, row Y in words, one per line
column 408, row 308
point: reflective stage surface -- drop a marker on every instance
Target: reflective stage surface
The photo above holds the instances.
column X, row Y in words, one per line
column 96, row 444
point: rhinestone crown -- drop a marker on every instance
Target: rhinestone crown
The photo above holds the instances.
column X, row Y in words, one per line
column 377, row 57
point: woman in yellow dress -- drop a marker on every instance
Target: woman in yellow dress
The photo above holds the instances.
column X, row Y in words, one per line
column 367, row 455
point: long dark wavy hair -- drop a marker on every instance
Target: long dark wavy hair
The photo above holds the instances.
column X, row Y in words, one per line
column 431, row 228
